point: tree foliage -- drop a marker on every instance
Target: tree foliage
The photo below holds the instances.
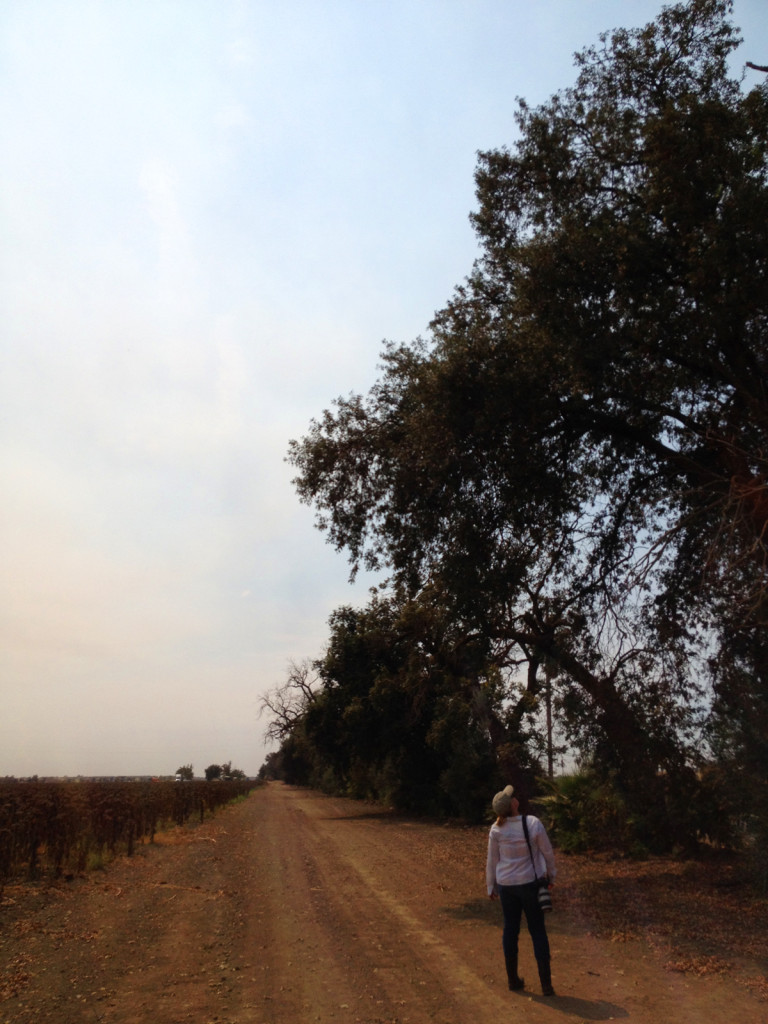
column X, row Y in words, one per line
column 403, row 710
column 575, row 460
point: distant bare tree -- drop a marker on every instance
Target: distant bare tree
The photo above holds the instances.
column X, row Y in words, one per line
column 286, row 704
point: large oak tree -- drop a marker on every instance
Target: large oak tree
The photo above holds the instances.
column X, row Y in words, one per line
column 576, row 458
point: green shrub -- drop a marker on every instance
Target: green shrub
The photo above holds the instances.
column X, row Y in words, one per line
column 583, row 812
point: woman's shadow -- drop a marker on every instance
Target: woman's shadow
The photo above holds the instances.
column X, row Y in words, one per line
column 586, row 1009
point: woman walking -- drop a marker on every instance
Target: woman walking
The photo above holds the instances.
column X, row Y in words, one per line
column 519, row 853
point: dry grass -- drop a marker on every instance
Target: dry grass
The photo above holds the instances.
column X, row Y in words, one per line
column 699, row 917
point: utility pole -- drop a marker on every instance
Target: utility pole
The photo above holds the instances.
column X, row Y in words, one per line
column 548, row 706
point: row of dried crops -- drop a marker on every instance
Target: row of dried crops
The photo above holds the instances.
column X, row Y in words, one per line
column 53, row 828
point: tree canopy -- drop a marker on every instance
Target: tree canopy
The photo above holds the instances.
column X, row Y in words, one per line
column 575, row 459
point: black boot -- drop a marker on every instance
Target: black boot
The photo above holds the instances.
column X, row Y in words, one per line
column 545, row 977
column 514, row 980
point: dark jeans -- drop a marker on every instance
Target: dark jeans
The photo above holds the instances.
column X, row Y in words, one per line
column 514, row 900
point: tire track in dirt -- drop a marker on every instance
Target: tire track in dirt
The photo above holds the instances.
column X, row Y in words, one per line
column 341, row 947
column 419, row 972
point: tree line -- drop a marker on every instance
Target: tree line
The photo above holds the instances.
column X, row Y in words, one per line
column 564, row 485
column 186, row 772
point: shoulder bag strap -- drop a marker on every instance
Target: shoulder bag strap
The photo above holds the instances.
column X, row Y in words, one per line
column 530, row 851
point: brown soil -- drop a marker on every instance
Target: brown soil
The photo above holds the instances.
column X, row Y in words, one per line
column 294, row 907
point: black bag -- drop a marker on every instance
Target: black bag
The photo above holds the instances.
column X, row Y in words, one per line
column 543, row 896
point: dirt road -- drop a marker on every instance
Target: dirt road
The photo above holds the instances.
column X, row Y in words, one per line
column 292, row 908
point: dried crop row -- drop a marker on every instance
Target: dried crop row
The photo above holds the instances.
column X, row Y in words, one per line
column 58, row 827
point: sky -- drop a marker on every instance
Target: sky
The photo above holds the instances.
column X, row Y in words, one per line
column 212, row 214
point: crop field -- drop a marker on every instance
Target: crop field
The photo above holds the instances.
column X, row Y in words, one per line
column 57, row 828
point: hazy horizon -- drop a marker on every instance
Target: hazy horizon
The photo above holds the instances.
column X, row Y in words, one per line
column 213, row 215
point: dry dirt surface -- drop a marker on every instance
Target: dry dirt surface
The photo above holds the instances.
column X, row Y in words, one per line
column 295, row 907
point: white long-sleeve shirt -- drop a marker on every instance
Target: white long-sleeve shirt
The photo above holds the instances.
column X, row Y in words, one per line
column 509, row 862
